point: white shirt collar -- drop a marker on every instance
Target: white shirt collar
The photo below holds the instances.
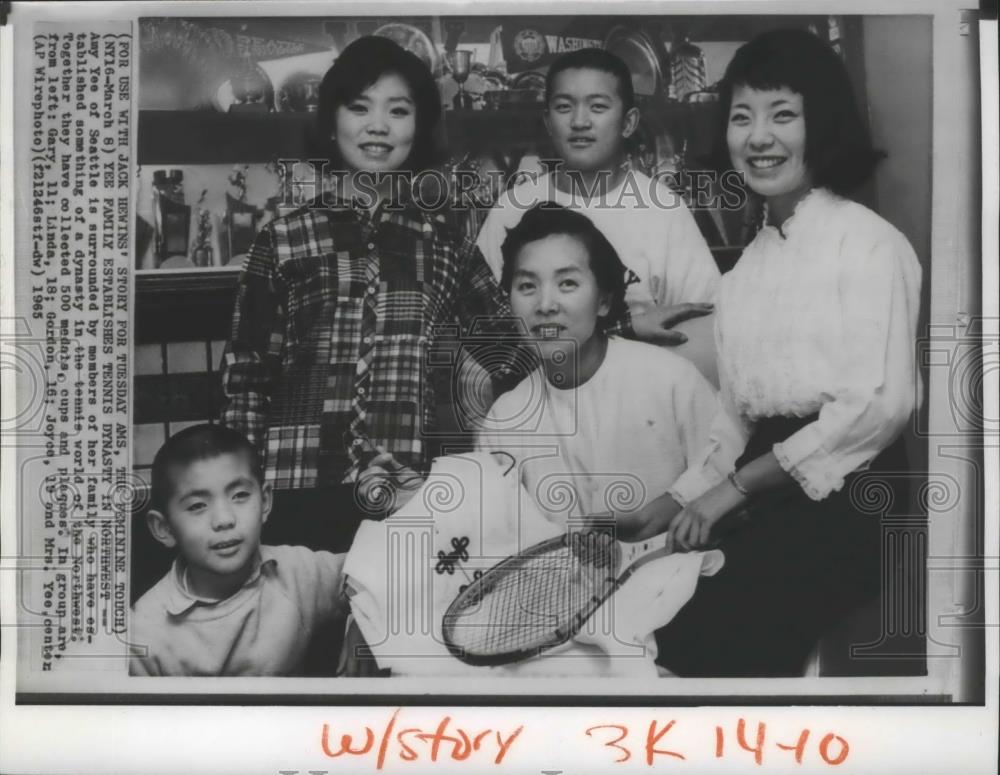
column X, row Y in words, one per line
column 815, row 196
column 180, row 600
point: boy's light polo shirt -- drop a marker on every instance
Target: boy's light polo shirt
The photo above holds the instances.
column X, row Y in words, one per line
column 263, row 629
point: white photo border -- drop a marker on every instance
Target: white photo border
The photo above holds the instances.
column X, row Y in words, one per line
column 284, row 732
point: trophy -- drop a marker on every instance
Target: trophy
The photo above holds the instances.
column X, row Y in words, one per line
column 172, row 219
column 241, row 217
column 687, row 68
column 252, row 89
column 460, row 62
column 205, row 251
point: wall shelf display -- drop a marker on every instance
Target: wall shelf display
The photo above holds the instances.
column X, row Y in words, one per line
column 204, row 137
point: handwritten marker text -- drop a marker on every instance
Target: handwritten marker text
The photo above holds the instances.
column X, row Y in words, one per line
column 411, row 743
column 831, row 749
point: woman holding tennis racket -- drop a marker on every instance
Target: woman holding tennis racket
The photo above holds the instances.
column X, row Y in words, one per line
column 604, row 422
column 815, row 335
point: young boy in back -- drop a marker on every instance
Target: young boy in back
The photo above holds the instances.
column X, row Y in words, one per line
column 228, row 606
column 590, row 114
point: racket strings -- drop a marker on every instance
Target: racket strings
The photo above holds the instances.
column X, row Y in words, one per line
column 535, row 600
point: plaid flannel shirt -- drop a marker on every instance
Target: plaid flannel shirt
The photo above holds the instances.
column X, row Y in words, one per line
column 336, row 310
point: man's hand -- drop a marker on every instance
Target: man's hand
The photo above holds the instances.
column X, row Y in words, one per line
column 387, row 483
column 654, row 324
column 652, row 519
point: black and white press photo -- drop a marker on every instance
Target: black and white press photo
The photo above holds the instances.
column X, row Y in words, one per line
column 631, row 358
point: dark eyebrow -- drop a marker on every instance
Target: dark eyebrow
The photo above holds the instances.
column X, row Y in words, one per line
column 194, row 494
column 595, row 96
column 561, row 270
column 774, row 104
column 241, row 481
column 400, row 99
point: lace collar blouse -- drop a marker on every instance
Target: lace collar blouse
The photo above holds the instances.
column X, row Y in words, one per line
column 817, row 317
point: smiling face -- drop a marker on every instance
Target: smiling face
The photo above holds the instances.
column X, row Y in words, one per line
column 587, row 119
column 214, row 517
column 555, row 293
column 766, row 136
column 375, row 131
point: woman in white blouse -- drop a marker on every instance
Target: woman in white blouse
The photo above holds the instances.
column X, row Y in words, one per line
column 815, row 337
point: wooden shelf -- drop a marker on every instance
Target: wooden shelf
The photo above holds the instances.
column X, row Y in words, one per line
column 156, row 281
column 523, row 126
column 513, row 126
column 184, row 305
column 207, row 137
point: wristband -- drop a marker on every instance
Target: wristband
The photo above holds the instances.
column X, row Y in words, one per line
column 735, row 482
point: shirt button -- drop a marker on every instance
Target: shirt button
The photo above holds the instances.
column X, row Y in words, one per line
column 357, row 443
column 367, row 340
column 361, row 391
column 371, row 246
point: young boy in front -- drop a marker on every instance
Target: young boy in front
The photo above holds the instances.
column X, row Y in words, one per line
column 228, row 606
column 590, row 114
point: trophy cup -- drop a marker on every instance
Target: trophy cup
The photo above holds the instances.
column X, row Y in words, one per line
column 171, row 218
column 241, row 218
column 460, row 62
column 205, row 251
column 252, row 89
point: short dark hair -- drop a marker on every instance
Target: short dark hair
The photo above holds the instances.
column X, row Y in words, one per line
column 839, row 152
column 359, row 66
column 593, row 59
column 199, row 442
column 546, row 219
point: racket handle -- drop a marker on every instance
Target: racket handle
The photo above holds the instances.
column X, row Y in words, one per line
column 639, row 553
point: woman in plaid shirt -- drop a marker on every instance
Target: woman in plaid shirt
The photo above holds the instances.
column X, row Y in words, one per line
column 340, row 301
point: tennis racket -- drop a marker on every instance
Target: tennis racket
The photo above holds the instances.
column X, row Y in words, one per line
column 540, row 598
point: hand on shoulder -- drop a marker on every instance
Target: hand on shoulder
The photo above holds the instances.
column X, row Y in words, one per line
column 658, row 324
